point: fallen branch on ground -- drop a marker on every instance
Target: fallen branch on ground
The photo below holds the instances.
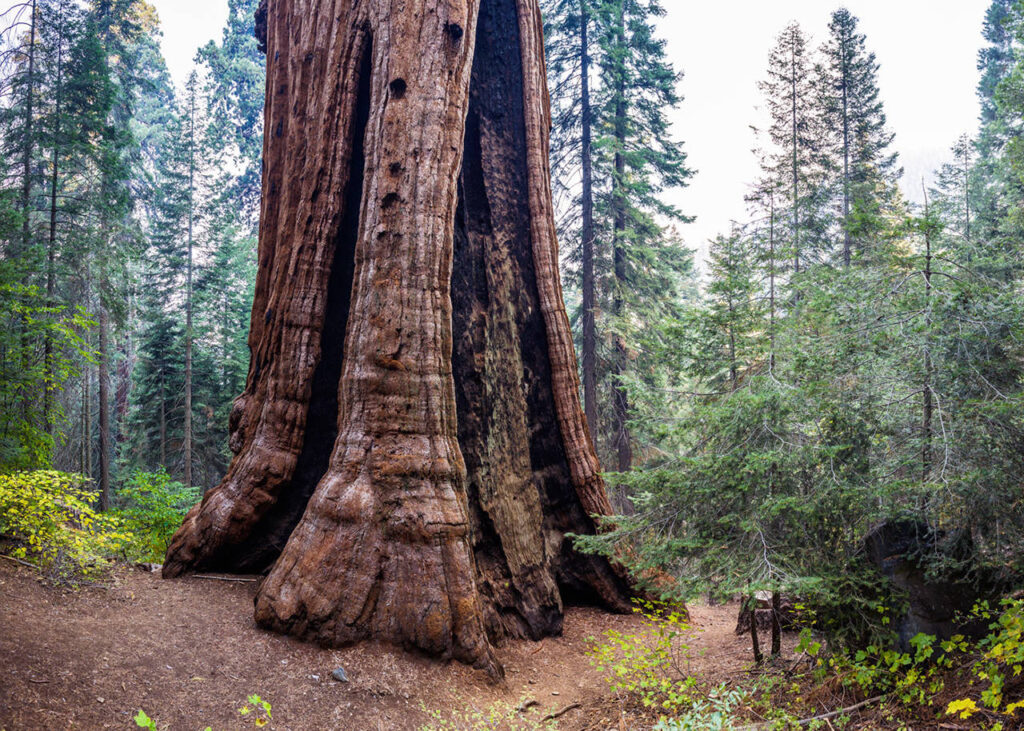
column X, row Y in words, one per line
column 824, row 716
column 558, row 714
column 237, row 579
column 18, row 560
column 522, row 707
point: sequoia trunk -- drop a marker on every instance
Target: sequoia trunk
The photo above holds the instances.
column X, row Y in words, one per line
column 410, row 447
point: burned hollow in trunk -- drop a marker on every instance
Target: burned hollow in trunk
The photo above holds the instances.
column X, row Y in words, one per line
column 410, row 447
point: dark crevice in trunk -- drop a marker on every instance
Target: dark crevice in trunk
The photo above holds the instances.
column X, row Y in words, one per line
column 268, row 540
column 508, row 428
column 494, row 296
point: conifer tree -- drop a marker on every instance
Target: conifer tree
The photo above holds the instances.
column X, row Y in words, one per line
column 169, row 280
column 235, row 84
column 955, row 196
column 733, row 320
column 793, row 160
column 861, row 167
column 612, row 148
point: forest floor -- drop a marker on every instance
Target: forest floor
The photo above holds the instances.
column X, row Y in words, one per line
column 188, row 653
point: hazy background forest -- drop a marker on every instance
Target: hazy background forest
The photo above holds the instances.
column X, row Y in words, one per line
column 841, row 357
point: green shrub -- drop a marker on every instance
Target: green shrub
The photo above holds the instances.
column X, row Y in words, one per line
column 1001, row 657
column 716, row 712
column 47, row 519
column 154, row 506
column 648, row 666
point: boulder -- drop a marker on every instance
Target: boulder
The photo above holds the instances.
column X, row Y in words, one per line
column 900, row 550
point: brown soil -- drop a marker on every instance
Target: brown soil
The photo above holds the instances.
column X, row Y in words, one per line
column 188, row 653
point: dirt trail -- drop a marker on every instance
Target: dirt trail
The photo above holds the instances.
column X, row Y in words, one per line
column 188, row 653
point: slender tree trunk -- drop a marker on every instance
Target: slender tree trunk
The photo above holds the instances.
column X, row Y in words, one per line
column 733, row 375
column 225, row 346
column 927, row 406
column 103, row 375
column 87, row 384
column 26, row 182
column 51, row 247
column 407, row 256
column 967, row 198
column 754, row 639
column 796, row 171
column 771, row 281
column 589, row 354
column 86, row 466
column 188, row 288
column 620, row 398
column 847, row 238
column 27, row 396
column 163, row 425
column 776, row 624
column 123, row 389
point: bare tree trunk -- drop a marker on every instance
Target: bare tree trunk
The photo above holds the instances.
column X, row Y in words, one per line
column 796, row 175
column 163, row 425
column 589, row 354
column 771, row 281
column 104, row 396
column 86, row 417
column 620, row 399
column 847, row 238
column 927, row 406
column 776, row 624
column 407, row 255
column 51, row 247
column 86, row 384
column 26, row 181
column 188, row 286
column 754, row 640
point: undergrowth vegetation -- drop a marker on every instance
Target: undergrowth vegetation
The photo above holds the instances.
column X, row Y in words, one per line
column 256, row 710
column 49, row 520
column 501, row 716
column 960, row 682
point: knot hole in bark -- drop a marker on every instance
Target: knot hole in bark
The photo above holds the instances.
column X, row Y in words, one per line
column 389, row 200
column 398, row 87
column 453, row 31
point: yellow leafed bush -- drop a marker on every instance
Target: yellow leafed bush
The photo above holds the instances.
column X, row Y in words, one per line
column 47, row 519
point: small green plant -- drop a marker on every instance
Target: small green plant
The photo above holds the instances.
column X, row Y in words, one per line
column 255, row 709
column 1001, row 657
column 144, row 721
column 48, row 520
column 497, row 717
column 154, row 505
column 649, row 665
column 713, row 713
column 258, row 708
column 911, row 679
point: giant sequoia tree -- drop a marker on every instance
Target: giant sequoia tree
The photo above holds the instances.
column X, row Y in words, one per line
column 410, row 448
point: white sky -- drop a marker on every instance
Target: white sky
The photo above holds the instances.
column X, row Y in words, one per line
column 188, row 25
column 927, row 50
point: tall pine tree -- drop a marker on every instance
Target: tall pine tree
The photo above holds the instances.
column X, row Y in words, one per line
column 861, row 167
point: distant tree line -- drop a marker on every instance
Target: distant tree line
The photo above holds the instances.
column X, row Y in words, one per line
column 853, row 358
column 128, row 213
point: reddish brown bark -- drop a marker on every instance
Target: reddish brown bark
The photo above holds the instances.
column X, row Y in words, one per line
column 395, row 278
